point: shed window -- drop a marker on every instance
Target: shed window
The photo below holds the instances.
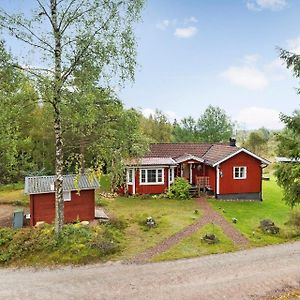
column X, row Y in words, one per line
column 67, row 196
column 240, row 172
column 130, row 176
column 151, row 176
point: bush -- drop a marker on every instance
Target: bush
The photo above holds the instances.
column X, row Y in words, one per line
column 179, row 189
column 294, row 219
column 117, row 223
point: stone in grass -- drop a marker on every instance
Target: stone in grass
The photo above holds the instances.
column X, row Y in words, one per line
column 84, row 223
column 234, row 220
column 150, row 222
column 210, row 238
column 196, row 211
column 268, row 226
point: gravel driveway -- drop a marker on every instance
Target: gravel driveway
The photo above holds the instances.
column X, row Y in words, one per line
column 248, row 274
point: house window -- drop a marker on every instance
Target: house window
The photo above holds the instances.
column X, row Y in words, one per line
column 130, row 176
column 151, row 176
column 67, row 196
column 240, row 172
column 171, row 175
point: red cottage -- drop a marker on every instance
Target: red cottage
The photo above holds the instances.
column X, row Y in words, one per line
column 78, row 192
column 226, row 171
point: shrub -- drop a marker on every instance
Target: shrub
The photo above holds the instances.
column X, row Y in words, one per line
column 179, row 189
column 294, row 219
column 117, row 223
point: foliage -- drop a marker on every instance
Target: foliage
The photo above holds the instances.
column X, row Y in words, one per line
column 40, row 246
column 214, row 125
column 179, row 189
column 294, row 218
column 288, row 174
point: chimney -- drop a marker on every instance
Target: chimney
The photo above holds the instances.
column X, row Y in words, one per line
column 232, row 142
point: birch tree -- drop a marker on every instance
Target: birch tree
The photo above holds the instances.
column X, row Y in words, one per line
column 65, row 33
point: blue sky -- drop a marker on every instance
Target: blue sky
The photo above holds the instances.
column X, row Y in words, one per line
column 194, row 53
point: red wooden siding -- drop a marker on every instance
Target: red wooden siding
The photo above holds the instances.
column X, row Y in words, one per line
column 153, row 188
column 82, row 207
column 252, row 184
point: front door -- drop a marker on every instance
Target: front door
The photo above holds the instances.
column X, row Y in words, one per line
column 186, row 172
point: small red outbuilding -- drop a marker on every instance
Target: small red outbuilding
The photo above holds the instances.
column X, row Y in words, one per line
column 79, row 198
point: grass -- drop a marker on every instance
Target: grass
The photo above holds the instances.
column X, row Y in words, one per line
column 171, row 216
column 77, row 244
column 249, row 215
column 13, row 196
column 193, row 246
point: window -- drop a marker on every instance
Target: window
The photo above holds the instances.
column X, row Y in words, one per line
column 67, row 196
column 171, row 175
column 240, row 172
column 130, row 176
column 151, row 176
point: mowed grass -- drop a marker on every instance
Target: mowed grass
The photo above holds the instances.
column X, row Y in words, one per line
column 170, row 215
column 14, row 195
column 249, row 214
column 193, row 245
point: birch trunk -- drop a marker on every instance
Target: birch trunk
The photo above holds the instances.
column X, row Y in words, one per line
column 59, row 201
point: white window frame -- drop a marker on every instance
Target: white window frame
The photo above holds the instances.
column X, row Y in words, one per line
column 146, row 177
column 67, row 195
column 171, row 175
column 128, row 176
column 239, row 172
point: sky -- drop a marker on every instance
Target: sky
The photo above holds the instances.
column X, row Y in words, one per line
column 195, row 53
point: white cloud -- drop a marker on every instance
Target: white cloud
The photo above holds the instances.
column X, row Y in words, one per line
column 164, row 24
column 246, row 76
column 294, row 45
column 258, row 5
column 171, row 115
column 191, row 19
column 256, row 117
column 185, row 32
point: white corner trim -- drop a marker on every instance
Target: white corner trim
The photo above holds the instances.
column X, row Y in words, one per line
column 133, row 179
column 191, row 173
column 218, row 180
column 245, row 151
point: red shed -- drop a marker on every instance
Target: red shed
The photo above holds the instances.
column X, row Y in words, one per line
column 79, row 198
column 226, row 171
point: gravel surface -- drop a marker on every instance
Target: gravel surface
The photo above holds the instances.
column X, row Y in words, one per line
column 209, row 216
column 247, row 274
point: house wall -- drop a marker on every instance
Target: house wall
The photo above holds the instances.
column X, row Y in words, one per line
column 153, row 188
column 252, row 184
column 82, row 207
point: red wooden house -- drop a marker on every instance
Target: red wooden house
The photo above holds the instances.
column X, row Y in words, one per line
column 78, row 193
column 227, row 171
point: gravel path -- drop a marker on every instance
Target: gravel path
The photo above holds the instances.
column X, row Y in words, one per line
column 209, row 216
column 242, row 275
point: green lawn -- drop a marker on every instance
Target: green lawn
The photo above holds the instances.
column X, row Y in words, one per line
column 13, row 196
column 170, row 215
column 250, row 213
column 193, row 246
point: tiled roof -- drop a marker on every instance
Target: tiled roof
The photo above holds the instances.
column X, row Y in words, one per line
column 217, row 152
column 177, row 149
column 149, row 161
column 45, row 184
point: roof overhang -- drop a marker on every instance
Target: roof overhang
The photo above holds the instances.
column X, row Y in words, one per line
column 152, row 161
column 186, row 157
column 264, row 161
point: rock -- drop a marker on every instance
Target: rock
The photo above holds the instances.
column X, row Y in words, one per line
column 84, row 223
column 234, row 220
column 268, row 226
column 210, row 238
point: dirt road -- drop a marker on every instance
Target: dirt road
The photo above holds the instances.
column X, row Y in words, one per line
column 248, row 274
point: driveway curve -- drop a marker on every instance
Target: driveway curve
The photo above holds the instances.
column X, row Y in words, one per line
column 247, row 274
